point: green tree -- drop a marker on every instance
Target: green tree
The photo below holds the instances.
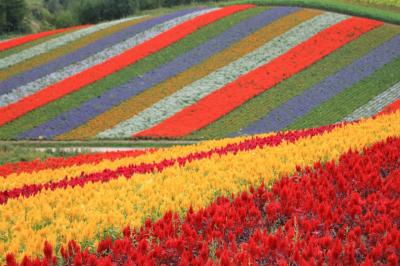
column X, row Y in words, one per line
column 3, row 16
column 15, row 12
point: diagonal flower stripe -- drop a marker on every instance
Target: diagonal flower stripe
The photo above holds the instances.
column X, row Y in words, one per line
column 377, row 104
column 113, row 97
column 147, row 98
column 8, row 44
column 102, row 70
column 141, row 33
column 107, row 43
column 236, row 93
column 204, row 86
column 300, row 105
column 106, row 175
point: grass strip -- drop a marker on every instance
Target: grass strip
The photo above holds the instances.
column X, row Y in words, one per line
column 65, row 49
column 53, row 109
column 147, row 98
column 262, row 104
column 350, row 99
column 383, row 14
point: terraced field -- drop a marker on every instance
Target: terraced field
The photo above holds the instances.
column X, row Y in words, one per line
column 198, row 73
column 300, row 108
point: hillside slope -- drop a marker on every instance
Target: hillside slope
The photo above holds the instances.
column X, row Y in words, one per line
column 199, row 73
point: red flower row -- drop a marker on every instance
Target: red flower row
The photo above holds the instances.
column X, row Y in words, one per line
column 112, row 65
column 224, row 100
column 345, row 214
column 128, row 171
column 58, row 162
column 5, row 45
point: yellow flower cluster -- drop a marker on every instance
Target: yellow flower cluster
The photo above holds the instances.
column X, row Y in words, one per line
column 84, row 213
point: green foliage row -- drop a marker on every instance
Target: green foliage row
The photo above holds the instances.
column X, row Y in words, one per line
column 13, row 153
column 349, row 100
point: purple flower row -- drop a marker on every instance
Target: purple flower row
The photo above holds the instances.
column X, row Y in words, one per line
column 302, row 104
column 90, row 109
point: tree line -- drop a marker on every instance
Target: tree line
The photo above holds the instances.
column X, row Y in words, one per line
column 38, row 15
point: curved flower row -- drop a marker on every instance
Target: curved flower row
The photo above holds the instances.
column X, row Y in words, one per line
column 345, row 213
column 112, row 65
column 224, row 100
column 202, row 87
column 144, row 32
column 8, row 44
column 95, row 106
column 86, row 213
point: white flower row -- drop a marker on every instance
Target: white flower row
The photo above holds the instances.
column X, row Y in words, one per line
column 93, row 60
column 377, row 104
column 190, row 94
column 56, row 42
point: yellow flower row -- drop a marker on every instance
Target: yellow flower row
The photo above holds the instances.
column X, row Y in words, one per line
column 83, row 213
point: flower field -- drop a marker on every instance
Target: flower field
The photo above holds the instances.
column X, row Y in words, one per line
column 299, row 110
column 200, row 204
column 199, row 73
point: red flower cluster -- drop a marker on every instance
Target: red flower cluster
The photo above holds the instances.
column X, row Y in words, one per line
column 224, row 100
column 5, row 45
column 97, row 72
column 336, row 214
column 58, row 162
column 128, row 171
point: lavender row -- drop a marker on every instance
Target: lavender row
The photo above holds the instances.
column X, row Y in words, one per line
column 96, row 106
column 95, row 59
column 300, row 105
column 84, row 52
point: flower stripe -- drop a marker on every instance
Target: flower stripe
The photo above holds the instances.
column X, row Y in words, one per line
column 302, row 104
column 377, row 104
column 8, row 44
column 102, row 70
column 115, row 96
column 202, row 87
column 90, row 56
column 236, row 93
column 84, row 213
column 140, row 102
